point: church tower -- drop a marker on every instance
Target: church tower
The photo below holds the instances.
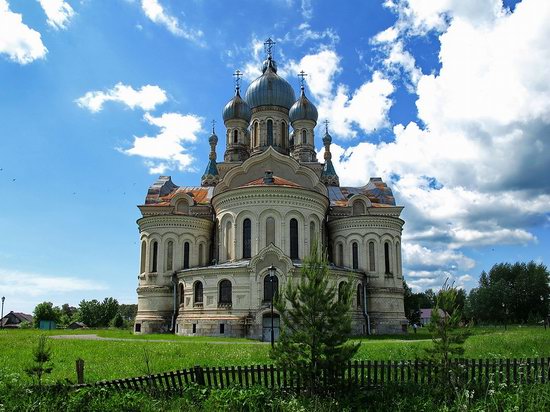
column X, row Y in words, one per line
column 236, row 118
column 303, row 117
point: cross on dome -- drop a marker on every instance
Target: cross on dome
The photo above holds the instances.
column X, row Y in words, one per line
column 326, row 125
column 213, row 126
column 302, row 76
column 238, row 74
column 268, row 46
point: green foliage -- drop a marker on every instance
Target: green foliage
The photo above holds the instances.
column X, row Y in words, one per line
column 128, row 312
column 42, row 354
column 511, row 293
column 117, row 321
column 97, row 314
column 45, row 311
column 316, row 322
column 413, row 302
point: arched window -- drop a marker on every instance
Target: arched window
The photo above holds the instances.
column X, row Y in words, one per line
column 169, row 255
column 284, row 131
column 143, row 256
column 224, row 296
column 355, row 257
column 387, row 268
column 270, row 132
column 397, row 259
column 235, row 136
column 359, row 295
column 186, row 255
column 201, row 254
column 181, row 294
column 341, row 291
column 228, row 239
column 312, row 236
column 182, row 206
column 255, row 134
column 304, row 136
column 372, row 266
column 267, row 287
column 269, row 231
column 293, row 239
column 154, row 256
column 197, row 292
column 358, row 208
column 340, row 254
column 247, row 241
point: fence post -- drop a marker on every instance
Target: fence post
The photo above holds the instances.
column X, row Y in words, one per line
column 199, row 375
column 80, row 371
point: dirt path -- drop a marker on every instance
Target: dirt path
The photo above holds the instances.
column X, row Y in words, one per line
column 96, row 337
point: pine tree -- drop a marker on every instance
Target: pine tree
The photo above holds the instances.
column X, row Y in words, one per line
column 316, row 323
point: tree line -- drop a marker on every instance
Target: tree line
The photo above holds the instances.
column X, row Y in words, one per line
column 509, row 293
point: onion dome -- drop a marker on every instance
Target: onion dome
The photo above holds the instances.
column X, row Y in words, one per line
column 237, row 108
column 327, row 138
column 269, row 89
column 303, row 109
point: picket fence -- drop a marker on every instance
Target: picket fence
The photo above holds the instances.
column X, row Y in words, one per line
column 358, row 373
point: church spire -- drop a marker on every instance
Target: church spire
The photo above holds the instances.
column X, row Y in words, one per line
column 328, row 175
column 211, row 175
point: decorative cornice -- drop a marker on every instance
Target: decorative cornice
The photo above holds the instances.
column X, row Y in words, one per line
column 366, row 222
column 174, row 221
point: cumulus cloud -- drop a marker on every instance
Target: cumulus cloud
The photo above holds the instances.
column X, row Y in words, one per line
column 146, row 98
column 17, row 40
column 58, row 12
column 169, row 148
column 157, row 14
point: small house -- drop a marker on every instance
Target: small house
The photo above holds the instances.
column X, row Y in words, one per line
column 14, row 319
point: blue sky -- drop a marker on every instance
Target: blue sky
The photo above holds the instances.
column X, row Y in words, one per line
column 447, row 101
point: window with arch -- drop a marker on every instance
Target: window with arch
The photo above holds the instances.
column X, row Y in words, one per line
column 358, row 208
column 197, row 292
column 182, row 206
column 269, row 231
column 143, row 256
column 355, row 255
column 169, row 255
column 372, row 266
column 235, row 136
column 181, row 294
column 341, row 291
column 154, row 256
column 186, row 255
column 304, row 136
column 228, row 239
column 270, row 132
column 398, row 258
column 201, row 254
column 340, row 254
column 387, row 268
column 293, row 239
column 284, row 132
column 255, row 133
column 359, row 295
column 224, row 296
column 247, row 241
column 312, row 236
column 268, row 285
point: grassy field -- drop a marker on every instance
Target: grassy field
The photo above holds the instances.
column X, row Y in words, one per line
column 110, row 359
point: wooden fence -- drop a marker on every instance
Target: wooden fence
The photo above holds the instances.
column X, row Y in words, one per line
column 358, row 373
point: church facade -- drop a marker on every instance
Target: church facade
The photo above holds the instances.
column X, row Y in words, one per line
column 206, row 250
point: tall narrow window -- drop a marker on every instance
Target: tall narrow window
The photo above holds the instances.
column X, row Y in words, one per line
column 270, row 132
column 387, row 258
column 341, row 291
column 372, row 266
column 269, row 231
column 267, row 287
column 397, row 259
column 355, row 257
column 143, row 256
column 181, row 294
column 169, row 255
column 235, row 136
column 186, row 255
column 359, row 295
column 201, row 255
column 247, row 241
column 224, row 296
column 304, row 136
column 255, row 134
column 197, row 293
column 340, row 254
column 293, row 239
column 313, row 241
column 154, row 256
column 228, row 239
column 284, row 131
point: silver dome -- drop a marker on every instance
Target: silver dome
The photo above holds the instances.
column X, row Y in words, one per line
column 269, row 89
column 236, row 108
column 303, row 109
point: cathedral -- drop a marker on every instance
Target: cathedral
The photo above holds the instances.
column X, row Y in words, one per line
column 214, row 255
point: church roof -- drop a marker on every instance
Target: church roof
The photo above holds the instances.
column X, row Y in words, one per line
column 163, row 190
column 275, row 181
column 376, row 190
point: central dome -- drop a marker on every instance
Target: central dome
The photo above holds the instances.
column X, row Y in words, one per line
column 269, row 89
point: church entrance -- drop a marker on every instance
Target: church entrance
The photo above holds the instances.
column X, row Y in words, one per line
column 266, row 322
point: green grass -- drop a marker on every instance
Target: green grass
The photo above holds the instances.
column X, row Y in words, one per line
column 118, row 359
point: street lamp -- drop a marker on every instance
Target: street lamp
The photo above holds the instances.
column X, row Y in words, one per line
column 2, row 318
column 544, row 314
column 505, row 313
column 271, row 271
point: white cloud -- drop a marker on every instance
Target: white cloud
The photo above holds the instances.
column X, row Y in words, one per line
column 157, row 14
column 307, row 9
column 166, row 149
column 58, row 12
column 17, row 40
column 146, row 98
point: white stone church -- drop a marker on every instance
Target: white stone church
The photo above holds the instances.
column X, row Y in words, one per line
column 206, row 250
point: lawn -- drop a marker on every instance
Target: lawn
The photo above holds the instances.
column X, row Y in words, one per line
column 116, row 359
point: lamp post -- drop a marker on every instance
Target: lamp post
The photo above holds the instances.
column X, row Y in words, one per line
column 505, row 313
column 271, row 270
column 1, row 319
column 544, row 314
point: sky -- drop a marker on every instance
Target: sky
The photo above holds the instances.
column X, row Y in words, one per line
column 447, row 100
